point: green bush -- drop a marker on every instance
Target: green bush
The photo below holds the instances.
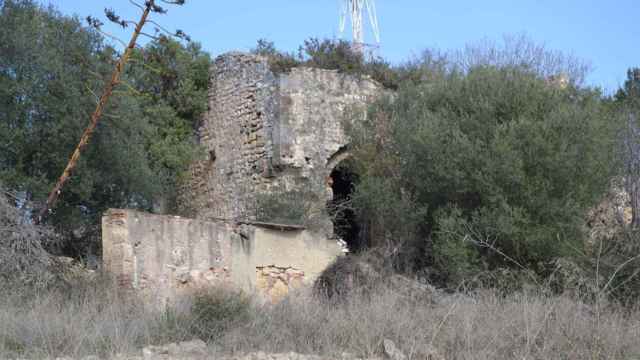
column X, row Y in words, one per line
column 214, row 312
column 279, row 62
column 491, row 167
column 330, row 55
column 282, row 207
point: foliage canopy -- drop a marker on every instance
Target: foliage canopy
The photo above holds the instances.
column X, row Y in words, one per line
column 51, row 68
column 482, row 168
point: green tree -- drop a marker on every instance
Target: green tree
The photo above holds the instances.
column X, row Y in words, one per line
column 627, row 101
column 51, row 68
column 484, row 168
column 630, row 91
column 170, row 82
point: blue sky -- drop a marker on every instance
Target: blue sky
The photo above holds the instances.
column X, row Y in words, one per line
column 604, row 33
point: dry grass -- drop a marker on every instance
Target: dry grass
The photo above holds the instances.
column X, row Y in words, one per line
column 481, row 326
column 81, row 321
column 96, row 319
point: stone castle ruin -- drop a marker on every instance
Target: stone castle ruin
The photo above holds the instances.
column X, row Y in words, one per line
column 258, row 203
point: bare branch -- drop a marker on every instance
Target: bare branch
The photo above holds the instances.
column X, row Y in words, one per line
column 618, row 269
column 11, row 194
column 181, row 34
column 483, row 242
column 131, row 88
column 136, row 4
column 146, row 66
column 150, row 36
column 96, row 97
column 626, row 281
column 178, row 34
column 112, row 116
column 160, row 27
column 112, row 37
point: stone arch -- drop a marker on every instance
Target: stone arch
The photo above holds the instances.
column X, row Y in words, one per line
column 341, row 180
column 339, row 156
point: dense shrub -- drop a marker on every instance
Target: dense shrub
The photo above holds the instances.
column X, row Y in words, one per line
column 359, row 274
column 483, row 168
column 216, row 311
column 279, row 61
column 331, row 55
column 282, row 207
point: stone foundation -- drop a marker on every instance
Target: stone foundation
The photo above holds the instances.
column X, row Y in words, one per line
column 276, row 282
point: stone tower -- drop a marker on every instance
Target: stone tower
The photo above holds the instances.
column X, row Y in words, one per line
column 272, row 140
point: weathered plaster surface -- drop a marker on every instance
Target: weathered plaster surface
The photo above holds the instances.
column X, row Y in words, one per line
column 299, row 250
column 164, row 257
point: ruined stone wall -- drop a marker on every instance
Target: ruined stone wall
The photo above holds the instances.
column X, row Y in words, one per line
column 290, row 259
column 274, row 134
column 314, row 106
column 263, row 135
column 163, row 258
column 236, row 134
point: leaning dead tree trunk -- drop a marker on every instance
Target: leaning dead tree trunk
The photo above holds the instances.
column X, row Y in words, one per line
column 97, row 114
column 633, row 188
column 631, row 157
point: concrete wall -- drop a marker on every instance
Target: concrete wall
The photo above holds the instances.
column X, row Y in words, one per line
column 164, row 257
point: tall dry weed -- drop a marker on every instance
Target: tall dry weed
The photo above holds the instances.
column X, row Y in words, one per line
column 22, row 254
column 484, row 325
column 95, row 318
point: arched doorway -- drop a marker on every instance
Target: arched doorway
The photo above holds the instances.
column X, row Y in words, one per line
column 345, row 225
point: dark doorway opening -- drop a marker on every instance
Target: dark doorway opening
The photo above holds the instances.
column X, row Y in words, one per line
column 345, row 224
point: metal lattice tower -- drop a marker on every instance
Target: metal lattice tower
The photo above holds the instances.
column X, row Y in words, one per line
column 356, row 9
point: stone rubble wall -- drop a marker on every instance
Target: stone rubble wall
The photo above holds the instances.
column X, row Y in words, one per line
column 273, row 134
column 277, row 282
column 236, row 134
